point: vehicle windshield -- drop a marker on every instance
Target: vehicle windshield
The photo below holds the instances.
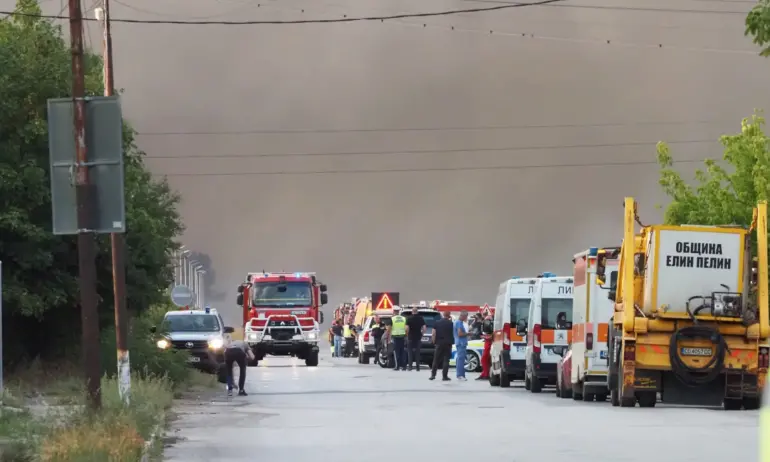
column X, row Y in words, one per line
column 277, row 294
column 430, row 318
column 519, row 310
column 191, row 323
column 557, row 313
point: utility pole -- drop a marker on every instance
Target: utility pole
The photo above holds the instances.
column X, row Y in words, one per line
column 116, row 239
column 85, row 203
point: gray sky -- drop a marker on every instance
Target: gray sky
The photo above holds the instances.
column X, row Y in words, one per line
column 453, row 234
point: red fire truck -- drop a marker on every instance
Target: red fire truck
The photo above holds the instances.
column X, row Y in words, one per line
column 282, row 314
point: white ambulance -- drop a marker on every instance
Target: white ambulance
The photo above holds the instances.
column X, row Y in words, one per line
column 591, row 315
column 507, row 352
column 548, row 329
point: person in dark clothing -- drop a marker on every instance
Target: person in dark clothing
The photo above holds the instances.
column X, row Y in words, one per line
column 476, row 327
column 443, row 338
column 378, row 329
column 337, row 332
column 236, row 352
column 415, row 328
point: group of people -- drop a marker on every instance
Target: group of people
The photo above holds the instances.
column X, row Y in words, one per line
column 406, row 334
column 343, row 339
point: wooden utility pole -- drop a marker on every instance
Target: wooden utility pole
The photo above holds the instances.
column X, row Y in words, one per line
column 85, row 194
column 117, row 241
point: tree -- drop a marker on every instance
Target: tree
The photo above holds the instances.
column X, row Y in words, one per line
column 40, row 291
column 722, row 195
column 758, row 25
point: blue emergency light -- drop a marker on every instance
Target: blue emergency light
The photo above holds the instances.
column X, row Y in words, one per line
column 593, row 251
column 515, row 277
column 548, row 274
column 208, row 309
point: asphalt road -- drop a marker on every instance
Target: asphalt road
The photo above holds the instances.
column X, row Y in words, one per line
column 343, row 411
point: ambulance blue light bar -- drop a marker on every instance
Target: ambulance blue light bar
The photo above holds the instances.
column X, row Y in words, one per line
column 515, row 277
column 548, row 274
column 593, row 251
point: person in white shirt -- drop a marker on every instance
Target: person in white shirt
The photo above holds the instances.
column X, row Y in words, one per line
column 236, row 351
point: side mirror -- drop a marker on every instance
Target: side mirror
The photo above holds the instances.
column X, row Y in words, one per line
column 323, row 287
column 601, row 267
column 324, row 299
column 754, row 271
column 153, row 329
column 611, row 294
column 229, row 330
column 239, row 299
column 521, row 327
column 321, row 317
column 240, row 289
column 561, row 351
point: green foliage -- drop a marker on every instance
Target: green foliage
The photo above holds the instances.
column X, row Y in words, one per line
column 40, row 270
column 145, row 357
column 758, row 26
column 722, row 195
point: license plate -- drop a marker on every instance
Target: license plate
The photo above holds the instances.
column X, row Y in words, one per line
column 194, row 359
column 696, row 351
column 602, row 355
column 521, row 348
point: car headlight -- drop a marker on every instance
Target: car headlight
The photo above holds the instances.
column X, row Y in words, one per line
column 216, row 343
column 162, row 344
column 252, row 337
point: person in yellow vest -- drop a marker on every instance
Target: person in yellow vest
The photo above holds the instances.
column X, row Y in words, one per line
column 398, row 336
column 348, row 334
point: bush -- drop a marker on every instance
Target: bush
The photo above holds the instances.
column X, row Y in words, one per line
column 146, row 359
column 116, row 433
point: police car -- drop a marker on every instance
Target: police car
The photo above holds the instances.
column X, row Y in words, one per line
column 473, row 356
column 199, row 332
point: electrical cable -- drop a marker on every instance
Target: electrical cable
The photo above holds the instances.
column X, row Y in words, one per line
column 424, row 129
column 624, row 8
column 693, row 376
column 427, row 151
column 345, row 18
column 435, row 169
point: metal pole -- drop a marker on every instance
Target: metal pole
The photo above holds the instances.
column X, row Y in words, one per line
column 203, row 289
column 118, row 245
column 84, row 196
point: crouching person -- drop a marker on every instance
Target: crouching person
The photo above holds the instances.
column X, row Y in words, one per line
column 237, row 351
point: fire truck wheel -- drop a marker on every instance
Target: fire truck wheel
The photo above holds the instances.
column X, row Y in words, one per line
column 615, row 397
column 494, row 380
column 312, row 360
column 505, row 380
column 751, row 404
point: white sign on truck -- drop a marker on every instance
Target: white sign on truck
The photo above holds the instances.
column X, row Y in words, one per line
column 691, row 263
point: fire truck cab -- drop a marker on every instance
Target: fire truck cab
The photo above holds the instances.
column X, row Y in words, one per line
column 282, row 314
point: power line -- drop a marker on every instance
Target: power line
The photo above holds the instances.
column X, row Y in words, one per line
column 426, row 151
column 345, row 18
column 624, row 8
column 436, row 169
column 423, row 129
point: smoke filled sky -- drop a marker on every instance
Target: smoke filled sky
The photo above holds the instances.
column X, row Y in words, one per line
column 250, row 202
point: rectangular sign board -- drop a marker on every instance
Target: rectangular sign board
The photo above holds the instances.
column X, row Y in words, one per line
column 104, row 145
column 384, row 300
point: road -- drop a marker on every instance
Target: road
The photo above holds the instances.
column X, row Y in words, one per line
column 347, row 412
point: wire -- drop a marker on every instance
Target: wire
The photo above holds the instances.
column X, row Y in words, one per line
column 345, row 18
column 425, row 151
column 422, row 129
column 436, row 169
column 624, row 8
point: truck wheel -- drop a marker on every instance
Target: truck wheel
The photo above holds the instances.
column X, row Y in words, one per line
column 312, row 360
column 505, row 380
column 365, row 358
column 494, row 380
column 576, row 396
column 615, row 397
column 588, row 396
column 536, row 386
column 360, row 358
column 647, row 398
column 732, row 404
column 751, row 404
column 601, row 397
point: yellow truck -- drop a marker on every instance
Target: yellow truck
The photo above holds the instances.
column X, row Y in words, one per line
column 691, row 314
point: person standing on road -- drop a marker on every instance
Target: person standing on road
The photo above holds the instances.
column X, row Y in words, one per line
column 237, row 351
column 415, row 328
column 461, row 344
column 347, row 332
column 398, row 335
column 337, row 331
column 487, row 330
column 443, row 339
column 378, row 329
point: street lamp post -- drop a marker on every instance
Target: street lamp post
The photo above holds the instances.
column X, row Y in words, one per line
column 201, row 287
column 193, row 268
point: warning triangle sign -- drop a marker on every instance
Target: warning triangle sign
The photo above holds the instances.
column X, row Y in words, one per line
column 385, row 303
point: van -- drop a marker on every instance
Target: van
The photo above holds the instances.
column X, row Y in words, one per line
column 548, row 329
column 507, row 352
column 592, row 313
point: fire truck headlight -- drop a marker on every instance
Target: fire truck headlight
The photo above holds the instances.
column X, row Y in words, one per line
column 216, row 343
column 252, row 337
column 162, row 344
column 312, row 336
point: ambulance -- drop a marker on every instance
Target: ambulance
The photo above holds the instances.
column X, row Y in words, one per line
column 507, row 352
column 548, row 329
column 591, row 316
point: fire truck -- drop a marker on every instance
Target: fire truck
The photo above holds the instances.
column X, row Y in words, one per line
column 282, row 314
column 690, row 318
